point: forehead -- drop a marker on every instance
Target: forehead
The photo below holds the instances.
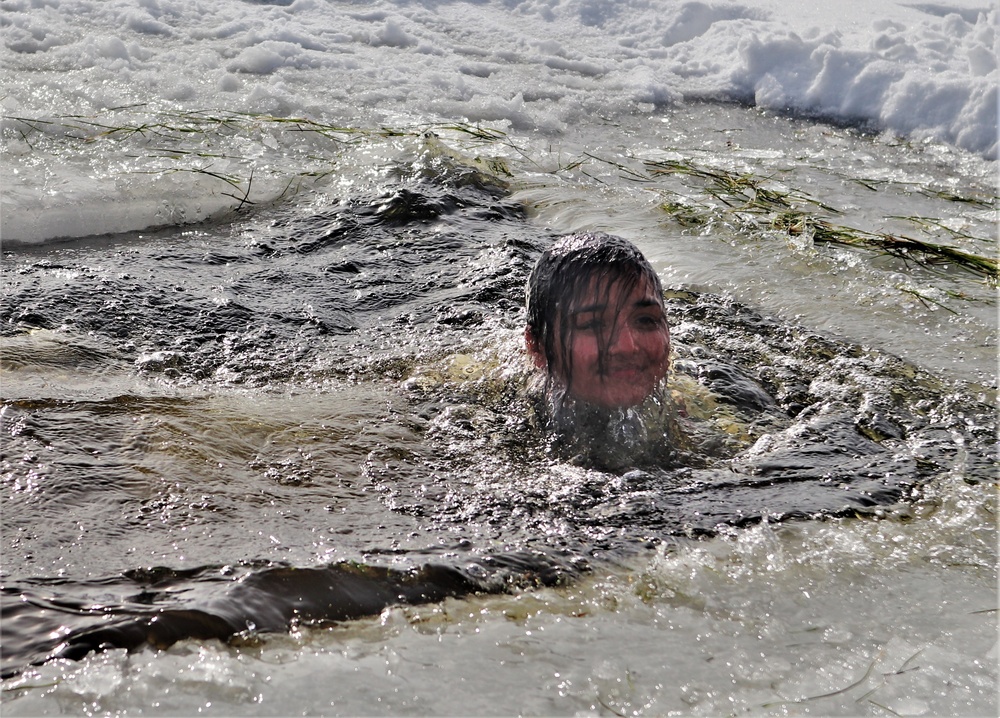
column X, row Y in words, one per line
column 601, row 291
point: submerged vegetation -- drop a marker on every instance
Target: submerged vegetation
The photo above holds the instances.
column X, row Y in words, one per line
column 758, row 205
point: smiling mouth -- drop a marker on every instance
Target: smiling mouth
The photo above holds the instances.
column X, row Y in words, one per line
column 626, row 372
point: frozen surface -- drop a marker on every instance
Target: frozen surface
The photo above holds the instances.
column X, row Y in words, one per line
column 922, row 70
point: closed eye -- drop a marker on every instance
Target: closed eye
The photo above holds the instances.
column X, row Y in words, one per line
column 588, row 320
column 588, row 325
column 649, row 321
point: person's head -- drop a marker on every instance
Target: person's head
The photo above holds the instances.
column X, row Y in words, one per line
column 595, row 321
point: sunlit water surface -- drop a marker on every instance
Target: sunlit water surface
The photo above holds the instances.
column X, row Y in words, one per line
column 229, row 417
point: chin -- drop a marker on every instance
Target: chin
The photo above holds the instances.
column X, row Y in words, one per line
column 626, row 402
column 623, row 399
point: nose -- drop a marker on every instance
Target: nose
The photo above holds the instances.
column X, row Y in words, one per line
column 624, row 341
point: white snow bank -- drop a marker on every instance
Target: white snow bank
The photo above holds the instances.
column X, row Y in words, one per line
column 925, row 70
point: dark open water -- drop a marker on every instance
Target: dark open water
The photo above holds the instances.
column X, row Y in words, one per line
column 228, row 430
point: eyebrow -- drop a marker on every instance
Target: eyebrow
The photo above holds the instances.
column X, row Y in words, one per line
column 590, row 308
column 646, row 303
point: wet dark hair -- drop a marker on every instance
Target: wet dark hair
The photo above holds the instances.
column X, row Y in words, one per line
column 561, row 279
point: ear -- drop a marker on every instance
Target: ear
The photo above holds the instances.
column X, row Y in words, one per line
column 535, row 352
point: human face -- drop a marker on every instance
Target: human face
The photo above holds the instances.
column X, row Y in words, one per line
column 632, row 327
